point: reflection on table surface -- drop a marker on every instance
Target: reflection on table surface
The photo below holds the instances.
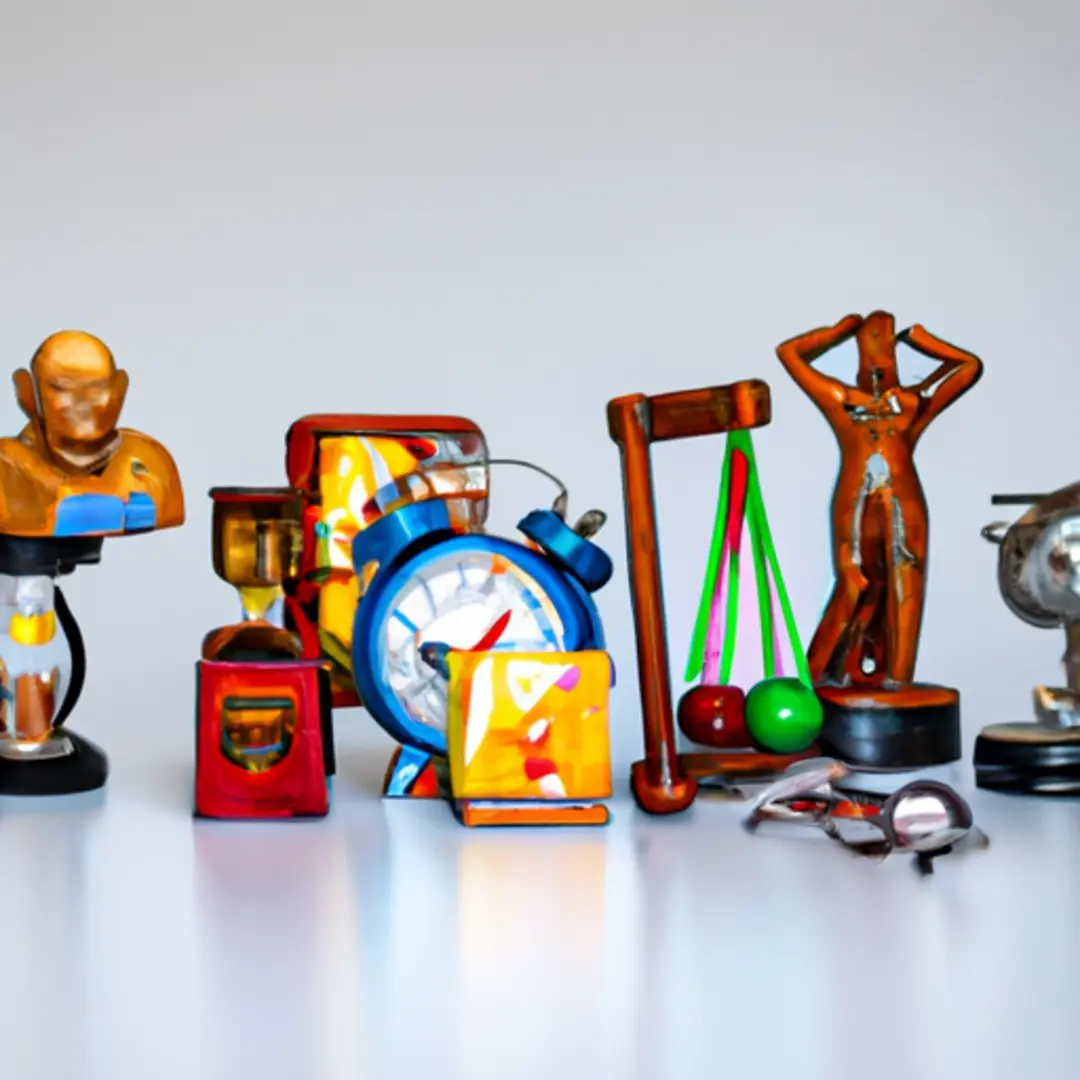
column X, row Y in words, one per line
column 387, row 941
column 531, row 946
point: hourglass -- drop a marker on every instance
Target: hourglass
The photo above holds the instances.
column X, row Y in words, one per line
column 265, row 745
column 256, row 549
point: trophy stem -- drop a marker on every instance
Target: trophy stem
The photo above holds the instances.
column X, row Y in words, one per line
column 1071, row 659
column 1060, row 708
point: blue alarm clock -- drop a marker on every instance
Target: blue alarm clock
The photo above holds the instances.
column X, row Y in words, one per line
column 429, row 584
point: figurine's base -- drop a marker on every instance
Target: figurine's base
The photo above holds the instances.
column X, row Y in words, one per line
column 48, row 556
column 85, row 769
column 1028, row 759
column 912, row 727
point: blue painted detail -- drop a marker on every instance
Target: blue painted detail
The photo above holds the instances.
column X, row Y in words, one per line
column 435, row 654
column 402, row 550
column 405, row 621
column 141, row 512
column 596, row 624
column 588, row 562
column 409, row 765
column 534, row 605
column 89, row 515
column 387, row 537
column 256, row 751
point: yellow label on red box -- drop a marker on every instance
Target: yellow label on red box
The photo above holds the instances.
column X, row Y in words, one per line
column 529, row 725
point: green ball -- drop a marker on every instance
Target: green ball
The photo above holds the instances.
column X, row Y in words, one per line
column 783, row 715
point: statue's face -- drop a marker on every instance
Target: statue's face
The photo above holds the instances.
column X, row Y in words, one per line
column 78, row 391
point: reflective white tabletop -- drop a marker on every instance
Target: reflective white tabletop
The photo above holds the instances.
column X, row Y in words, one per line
column 387, row 941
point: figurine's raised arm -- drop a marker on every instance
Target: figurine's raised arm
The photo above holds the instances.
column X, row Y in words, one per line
column 957, row 372
column 798, row 354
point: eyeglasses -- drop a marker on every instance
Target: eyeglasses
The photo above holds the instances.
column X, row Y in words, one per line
column 925, row 818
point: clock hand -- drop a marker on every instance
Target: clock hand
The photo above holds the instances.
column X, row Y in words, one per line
column 495, row 631
column 435, row 653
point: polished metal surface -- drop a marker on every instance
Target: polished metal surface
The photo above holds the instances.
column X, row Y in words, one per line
column 1039, row 580
column 56, row 745
column 1039, row 560
column 590, row 523
column 1056, row 708
column 924, row 818
column 927, row 817
column 813, row 777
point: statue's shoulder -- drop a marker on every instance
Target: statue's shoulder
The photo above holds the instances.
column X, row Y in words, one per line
column 137, row 447
column 20, row 448
column 22, row 462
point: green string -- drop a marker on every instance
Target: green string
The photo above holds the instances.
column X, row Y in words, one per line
column 696, row 660
column 763, row 551
column 760, row 524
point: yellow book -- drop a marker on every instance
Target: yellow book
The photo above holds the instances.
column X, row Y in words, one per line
column 525, row 727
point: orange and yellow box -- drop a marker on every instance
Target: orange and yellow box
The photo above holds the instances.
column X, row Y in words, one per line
column 527, row 737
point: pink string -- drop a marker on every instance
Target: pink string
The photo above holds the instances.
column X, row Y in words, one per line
column 733, row 533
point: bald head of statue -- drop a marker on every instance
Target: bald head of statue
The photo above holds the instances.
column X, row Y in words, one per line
column 72, row 395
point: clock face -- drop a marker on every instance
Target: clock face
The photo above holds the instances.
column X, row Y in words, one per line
column 464, row 599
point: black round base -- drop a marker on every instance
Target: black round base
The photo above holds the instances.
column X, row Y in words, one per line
column 914, row 727
column 86, row 769
column 1028, row 760
column 51, row 556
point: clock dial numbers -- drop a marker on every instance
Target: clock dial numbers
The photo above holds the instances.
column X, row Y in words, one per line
column 463, row 599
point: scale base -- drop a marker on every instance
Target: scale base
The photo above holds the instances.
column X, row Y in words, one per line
column 1028, row 759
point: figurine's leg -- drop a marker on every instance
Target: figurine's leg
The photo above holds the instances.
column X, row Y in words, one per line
column 865, row 650
column 906, row 554
column 826, row 654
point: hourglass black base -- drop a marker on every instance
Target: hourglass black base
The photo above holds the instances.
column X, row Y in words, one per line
column 85, row 768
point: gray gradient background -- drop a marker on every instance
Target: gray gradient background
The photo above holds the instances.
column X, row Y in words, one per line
column 517, row 211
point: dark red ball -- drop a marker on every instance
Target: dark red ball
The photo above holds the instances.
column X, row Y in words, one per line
column 714, row 716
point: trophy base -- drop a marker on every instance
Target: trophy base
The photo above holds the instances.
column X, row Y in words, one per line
column 85, row 768
column 912, row 727
column 1028, row 759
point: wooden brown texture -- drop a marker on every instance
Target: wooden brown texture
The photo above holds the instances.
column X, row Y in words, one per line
column 740, row 764
column 869, row 633
column 660, row 783
column 909, row 696
column 72, row 395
